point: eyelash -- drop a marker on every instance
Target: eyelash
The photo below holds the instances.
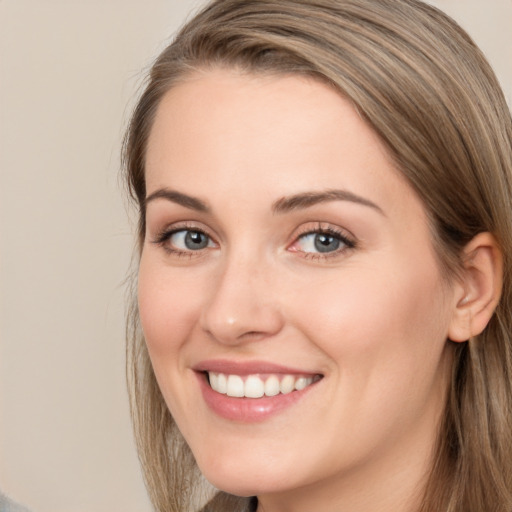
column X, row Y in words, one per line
column 348, row 242
column 164, row 236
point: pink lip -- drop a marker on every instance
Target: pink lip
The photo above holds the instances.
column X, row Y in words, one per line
column 247, row 410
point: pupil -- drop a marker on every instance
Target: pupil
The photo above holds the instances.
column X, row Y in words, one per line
column 195, row 240
column 326, row 243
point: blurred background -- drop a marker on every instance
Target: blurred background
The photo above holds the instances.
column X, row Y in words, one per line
column 69, row 73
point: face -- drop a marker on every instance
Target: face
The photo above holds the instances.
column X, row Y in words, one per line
column 291, row 300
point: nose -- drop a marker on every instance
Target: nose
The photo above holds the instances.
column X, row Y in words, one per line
column 242, row 305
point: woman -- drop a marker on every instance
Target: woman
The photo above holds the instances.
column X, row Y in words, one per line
column 323, row 314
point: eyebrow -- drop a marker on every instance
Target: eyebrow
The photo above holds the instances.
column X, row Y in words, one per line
column 282, row 205
column 308, row 199
column 185, row 200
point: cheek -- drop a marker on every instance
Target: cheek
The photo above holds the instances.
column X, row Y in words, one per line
column 167, row 309
column 370, row 314
column 384, row 335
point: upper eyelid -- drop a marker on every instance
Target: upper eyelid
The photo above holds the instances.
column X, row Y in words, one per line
column 345, row 240
column 335, row 234
column 322, row 227
column 174, row 227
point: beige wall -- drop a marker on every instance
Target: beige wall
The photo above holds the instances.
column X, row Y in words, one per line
column 67, row 71
column 489, row 22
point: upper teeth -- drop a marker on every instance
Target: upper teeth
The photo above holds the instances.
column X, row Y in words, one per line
column 255, row 386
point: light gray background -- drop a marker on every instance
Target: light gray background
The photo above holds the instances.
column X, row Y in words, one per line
column 68, row 72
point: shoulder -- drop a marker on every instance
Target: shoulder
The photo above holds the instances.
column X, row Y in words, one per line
column 7, row 505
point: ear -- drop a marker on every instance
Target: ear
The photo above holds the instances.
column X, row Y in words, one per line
column 478, row 293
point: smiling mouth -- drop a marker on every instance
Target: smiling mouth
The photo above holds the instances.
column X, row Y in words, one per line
column 258, row 386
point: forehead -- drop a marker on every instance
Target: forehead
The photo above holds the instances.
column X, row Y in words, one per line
column 280, row 107
column 222, row 129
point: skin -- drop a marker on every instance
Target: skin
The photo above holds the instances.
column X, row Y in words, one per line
column 372, row 319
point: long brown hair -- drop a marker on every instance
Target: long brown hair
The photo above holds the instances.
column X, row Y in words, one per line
column 431, row 96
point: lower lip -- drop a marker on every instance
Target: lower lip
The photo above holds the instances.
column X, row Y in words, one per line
column 248, row 410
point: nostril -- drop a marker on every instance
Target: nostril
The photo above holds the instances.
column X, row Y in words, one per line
column 252, row 335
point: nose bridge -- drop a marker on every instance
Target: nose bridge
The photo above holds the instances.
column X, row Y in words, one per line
column 241, row 305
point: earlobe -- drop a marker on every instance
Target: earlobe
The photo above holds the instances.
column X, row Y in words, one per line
column 480, row 289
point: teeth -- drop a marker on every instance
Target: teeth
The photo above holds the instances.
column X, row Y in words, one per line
column 272, row 386
column 222, row 384
column 287, row 384
column 235, row 386
column 302, row 383
column 214, row 381
column 255, row 386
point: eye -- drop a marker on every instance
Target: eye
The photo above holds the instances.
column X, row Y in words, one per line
column 189, row 240
column 319, row 242
column 322, row 241
column 182, row 241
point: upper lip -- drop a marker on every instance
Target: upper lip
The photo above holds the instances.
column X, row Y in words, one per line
column 248, row 368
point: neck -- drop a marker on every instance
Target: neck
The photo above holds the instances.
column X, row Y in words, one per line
column 395, row 487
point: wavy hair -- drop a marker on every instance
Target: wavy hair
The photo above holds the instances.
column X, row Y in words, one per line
column 429, row 93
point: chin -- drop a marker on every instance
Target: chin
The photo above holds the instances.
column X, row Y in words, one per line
column 245, row 479
column 243, row 487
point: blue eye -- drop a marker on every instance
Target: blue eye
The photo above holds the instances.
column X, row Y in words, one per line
column 319, row 242
column 322, row 241
column 189, row 240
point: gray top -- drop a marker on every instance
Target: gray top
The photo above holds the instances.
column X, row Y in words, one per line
column 7, row 505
